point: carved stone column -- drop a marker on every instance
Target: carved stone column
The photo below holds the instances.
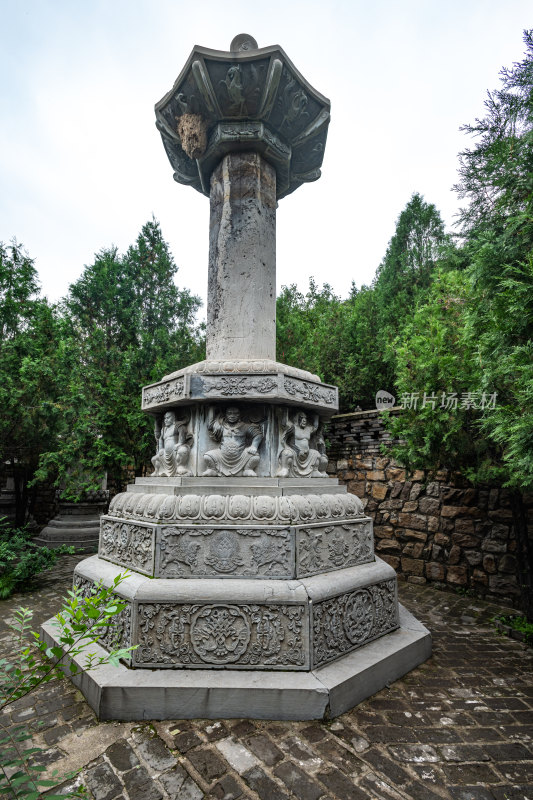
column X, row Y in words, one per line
column 254, row 589
column 241, row 307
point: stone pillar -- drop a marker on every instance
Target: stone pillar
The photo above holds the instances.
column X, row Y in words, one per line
column 241, row 304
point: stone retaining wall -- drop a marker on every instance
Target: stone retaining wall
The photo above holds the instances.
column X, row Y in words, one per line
column 428, row 527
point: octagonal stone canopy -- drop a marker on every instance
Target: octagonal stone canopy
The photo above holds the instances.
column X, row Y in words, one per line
column 243, row 100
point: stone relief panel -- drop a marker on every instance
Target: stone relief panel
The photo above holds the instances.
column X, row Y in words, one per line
column 239, row 386
column 163, row 392
column 302, row 449
column 310, row 392
column 264, row 509
column 350, row 620
column 127, row 544
column 173, row 445
column 232, row 553
column 239, row 437
column 118, row 634
column 220, row 635
column 322, row 549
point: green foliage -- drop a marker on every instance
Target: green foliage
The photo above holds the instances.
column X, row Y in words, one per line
column 126, row 325
column 30, row 371
column 349, row 343
column 21, row 560
column 517, row 623
column 79, row 625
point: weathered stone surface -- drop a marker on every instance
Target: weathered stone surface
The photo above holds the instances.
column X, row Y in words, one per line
column 242, row 265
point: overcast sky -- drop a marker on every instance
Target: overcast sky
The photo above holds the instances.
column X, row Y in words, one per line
column 82, row 165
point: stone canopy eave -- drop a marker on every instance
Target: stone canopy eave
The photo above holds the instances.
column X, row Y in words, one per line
column 242, row 57
column 232, row 101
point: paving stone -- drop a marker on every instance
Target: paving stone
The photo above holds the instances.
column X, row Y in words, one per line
column 215, row 731
column 508, row 751
column 297, row 781
column 184, row 741
column 469, row 774
column 47, row 757
column 180, row 789
column 421, row 791
column 265, row 749
column 155, row 753
column 386, row 767
column 335, row 753
column 243, row 728
column 416, row 752
column 378, row 788
column 207, row 763
column 102, row 782
column 140, row 785
column 236, row 754
column 464, row 752
column 524, row 792
column 438, row 735
column 53, row 735
column 470, row 793
column 74, row 711
column 517, row 773
column 390, row 733
column 301, row 752
column 341, row 786
column 314, row 733
column 122, row 756
column 23, row 715
column 44, row 722
column 264, row 786
column 227, row 789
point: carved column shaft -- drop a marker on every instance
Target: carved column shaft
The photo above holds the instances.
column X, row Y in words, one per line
column 241, row 305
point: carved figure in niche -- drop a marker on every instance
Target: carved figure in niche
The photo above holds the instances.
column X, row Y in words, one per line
column 298, row 459
column 173, row 446
column 239, row 443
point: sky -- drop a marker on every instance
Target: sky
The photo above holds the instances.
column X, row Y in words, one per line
column 82, row 166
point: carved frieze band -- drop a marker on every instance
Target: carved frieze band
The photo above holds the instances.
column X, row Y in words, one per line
column 127, row 544
column 175, row 389
column 239, row 386
column 264, row 509
column 350, row 620
column 310, row 392
column 117, row 634
column 219, row 635
column 322, row 549
column 238, row 552
column 279, row 387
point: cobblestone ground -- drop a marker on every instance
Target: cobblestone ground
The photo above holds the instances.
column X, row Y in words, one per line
column 460, row 726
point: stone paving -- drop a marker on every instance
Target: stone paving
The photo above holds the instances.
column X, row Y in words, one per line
column 460, row 727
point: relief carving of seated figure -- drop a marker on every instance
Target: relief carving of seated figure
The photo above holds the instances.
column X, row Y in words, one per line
column 239, row 444
column 298, row 459
column 173, row 446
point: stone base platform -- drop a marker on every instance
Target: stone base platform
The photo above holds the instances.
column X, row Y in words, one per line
column 124, row 694
column 76, row 525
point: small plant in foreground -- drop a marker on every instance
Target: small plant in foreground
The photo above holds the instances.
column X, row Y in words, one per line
column 80, row 624
column 21, row 559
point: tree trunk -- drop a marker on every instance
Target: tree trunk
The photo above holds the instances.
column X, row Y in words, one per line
column 524, row 555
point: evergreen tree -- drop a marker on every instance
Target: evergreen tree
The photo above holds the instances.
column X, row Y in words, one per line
column 30, row 372
column 491, row 338
column 128, row 325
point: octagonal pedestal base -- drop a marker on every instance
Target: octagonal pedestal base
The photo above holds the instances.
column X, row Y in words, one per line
column 124, row 694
